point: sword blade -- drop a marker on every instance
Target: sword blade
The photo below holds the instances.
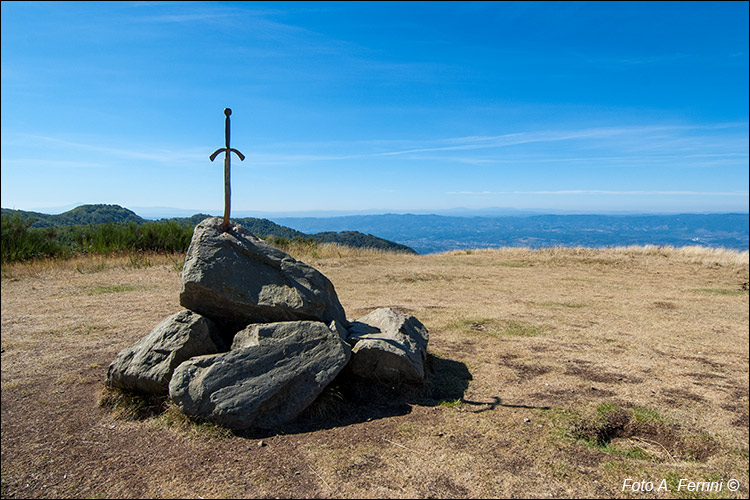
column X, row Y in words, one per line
column 227, row 188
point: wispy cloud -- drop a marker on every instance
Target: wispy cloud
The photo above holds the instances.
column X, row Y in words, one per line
column 112, row 152
column 679, row 146
column 603, row 192
column 191, row 12
column 284, row 159
column 52, row 164
column 645, row 60
column 184, row 18
column 254, row 23
column 651, row 134
column 674, row 146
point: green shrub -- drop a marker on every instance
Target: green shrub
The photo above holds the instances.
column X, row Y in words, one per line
column 22, row 242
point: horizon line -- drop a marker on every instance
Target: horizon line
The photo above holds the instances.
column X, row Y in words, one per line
column 492, row 211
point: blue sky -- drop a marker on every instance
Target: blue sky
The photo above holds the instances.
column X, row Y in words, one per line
column 385, row 106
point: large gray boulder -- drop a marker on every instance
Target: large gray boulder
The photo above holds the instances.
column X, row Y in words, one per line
column 273, row 372
column 236, row 279
column 389, row 346
column 148, row 364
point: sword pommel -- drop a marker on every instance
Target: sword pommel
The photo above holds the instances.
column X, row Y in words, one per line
column 227, row 112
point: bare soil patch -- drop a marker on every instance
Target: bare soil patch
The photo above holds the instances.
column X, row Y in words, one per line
column 555, row 372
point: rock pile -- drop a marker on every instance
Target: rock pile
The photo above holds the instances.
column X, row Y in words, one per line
column 261, row 336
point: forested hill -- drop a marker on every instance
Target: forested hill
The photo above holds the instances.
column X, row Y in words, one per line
column 265, row 227
column 102, row 214
column 82, row 215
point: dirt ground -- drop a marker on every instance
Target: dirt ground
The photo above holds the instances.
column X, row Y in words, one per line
column 553, row 373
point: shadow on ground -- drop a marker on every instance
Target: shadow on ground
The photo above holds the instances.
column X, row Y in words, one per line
column 350, row 399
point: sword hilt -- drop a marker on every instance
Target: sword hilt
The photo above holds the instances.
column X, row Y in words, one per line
column 226, row 148
column 227, row 112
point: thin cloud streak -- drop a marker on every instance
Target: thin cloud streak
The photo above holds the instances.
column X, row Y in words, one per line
column 161, row 156
column 703, row 155
column 637, row 146
column 23, row 163
column 479, row 142
column 605, row 192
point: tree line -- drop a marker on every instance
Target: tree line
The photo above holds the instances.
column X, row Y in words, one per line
column 104, row 229
column 20, row 241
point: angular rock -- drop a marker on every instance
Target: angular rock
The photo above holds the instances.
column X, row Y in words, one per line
column 236, row 279
column 148, row 364
column 273, row 372
column 389, row 346
column 339, row 329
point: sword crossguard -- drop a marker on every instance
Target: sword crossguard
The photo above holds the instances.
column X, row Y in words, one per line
column 227, row 150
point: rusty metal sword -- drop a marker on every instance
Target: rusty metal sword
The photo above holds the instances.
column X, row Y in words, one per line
column 227, row 162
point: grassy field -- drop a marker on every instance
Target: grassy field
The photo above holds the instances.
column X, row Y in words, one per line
column 553, row 373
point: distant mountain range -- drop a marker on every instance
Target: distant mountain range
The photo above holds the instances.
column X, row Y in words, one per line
column 101, row 214
column 435, row 233
column 439, row 233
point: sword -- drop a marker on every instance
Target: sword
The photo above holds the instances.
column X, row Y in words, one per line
column 227, row 163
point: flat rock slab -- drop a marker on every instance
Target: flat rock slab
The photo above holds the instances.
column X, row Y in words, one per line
column 147, row 365
column 236, row 279
column 389, row 346
column 273, row 372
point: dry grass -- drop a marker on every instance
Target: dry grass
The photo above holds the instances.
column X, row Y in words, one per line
column 557, row 372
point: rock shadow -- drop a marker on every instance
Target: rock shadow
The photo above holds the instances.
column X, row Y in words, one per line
column 350, row 399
